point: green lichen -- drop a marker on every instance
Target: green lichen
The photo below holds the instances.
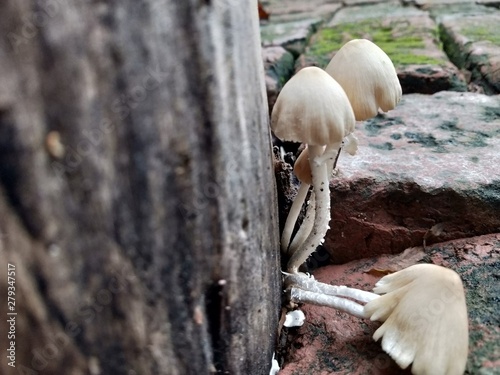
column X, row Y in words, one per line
column 450, row 125
column 383, row 146
column 491, row 114
column 426, row 140
column 477, row 140
column 400, row 41
column 482, row 297
column 375, row 125
column 329, row 361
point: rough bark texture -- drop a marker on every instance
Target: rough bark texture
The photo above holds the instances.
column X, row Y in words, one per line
column 137, row 197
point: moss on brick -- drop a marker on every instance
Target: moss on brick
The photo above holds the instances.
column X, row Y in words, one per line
column 486, row 31
column 404, row 44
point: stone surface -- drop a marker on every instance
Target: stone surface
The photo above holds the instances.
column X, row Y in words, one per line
column 291, row 35
column 278, row 68
column 473, row 43
column 408, row 35
column 292, row 10
column 429, row 3
column 489, row 3
column 425, row 4
column 363, row 2
column 332, row 342
column 430, row 163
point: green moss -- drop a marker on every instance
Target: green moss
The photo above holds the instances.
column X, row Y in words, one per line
column 482, row 32
column 400, row 41
column 403, row 59
column 451, row 47
column 486, row 30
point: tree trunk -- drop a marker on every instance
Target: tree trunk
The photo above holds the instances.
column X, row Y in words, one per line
column 137, row 197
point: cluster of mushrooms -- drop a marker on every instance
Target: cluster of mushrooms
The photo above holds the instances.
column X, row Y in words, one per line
column 422, row 307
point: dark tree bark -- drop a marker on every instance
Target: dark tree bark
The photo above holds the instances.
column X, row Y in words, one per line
column 137, row 197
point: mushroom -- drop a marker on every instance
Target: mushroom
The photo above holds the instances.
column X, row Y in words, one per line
column 305, row 289
column 425, row 319
column 302, row 170
column 368, row 77
column 313, row 108
column 305, row 227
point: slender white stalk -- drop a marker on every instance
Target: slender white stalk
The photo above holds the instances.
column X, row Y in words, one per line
column 304, row 296
column 330, row 155
column 308, row 283
column 320, row 178
column 305, row 227
column 293, row 215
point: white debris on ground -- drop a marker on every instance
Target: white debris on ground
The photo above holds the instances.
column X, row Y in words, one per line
column 275, row 367
column 294, row 318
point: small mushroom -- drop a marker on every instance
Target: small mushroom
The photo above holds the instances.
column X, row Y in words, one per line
column 368, row 77
column 305, row 289
column 425, row 319
column 302, row 169
column 306, row 226
column 312, row 108
column 54, row 145
column 303, row 172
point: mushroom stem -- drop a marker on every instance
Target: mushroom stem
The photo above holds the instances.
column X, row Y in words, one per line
column 293, row 215
column 330, row 155
column 322, row 217
column 304, row 296
column 331, row 162
column 310, row 284
column 308, row 221
column 305, row 227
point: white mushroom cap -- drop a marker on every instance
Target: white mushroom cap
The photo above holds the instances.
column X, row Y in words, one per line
column 312, row 108
column 425, row 319
column 368, row 77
